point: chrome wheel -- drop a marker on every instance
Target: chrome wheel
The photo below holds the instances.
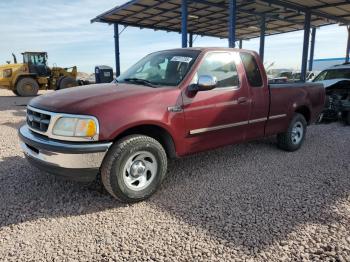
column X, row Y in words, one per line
column 297, row 132
column 140, row 170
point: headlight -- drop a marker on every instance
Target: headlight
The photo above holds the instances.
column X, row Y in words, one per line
column 76, row 127
column 7, row 73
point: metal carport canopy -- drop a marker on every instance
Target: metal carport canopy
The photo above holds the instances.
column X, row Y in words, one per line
column 211, row 17
column 232, row 19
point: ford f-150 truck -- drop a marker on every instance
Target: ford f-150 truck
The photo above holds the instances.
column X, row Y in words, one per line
column 170, row 104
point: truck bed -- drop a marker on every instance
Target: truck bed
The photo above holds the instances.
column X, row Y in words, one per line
column 281, row 103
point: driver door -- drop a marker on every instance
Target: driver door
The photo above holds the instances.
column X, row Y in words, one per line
column 219, row 116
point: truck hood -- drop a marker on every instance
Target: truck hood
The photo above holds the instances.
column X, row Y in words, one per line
column 84, row 99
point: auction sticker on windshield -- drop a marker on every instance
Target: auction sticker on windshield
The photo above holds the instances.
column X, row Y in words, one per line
column 182, row 59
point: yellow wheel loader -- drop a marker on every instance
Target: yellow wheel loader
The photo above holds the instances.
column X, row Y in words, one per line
column 27, row 78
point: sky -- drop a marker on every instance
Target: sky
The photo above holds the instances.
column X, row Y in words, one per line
column 63, row 29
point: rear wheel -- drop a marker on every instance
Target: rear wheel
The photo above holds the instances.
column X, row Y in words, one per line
column 295, row 135
column 27, row 87
column 67, row 82
column 134, row 168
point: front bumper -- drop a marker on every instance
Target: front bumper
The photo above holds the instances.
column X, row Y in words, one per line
column 76, row 161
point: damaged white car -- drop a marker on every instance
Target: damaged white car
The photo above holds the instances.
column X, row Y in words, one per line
column 336, row 81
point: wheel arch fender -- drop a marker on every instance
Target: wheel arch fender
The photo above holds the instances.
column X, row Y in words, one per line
column 301, row 106
column 305, row 111
column 156, row 130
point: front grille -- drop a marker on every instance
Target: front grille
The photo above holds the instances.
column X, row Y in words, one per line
column 38, row 120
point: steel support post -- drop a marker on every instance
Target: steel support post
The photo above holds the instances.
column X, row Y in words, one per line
column 348, row 47
column 184, row 15
column 312, row 48
column 307, row 27
column 116, row 49
column 232, row 24
column 262, row 37
column 190, row 41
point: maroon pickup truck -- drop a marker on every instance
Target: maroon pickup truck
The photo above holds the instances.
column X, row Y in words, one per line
column 170, row 104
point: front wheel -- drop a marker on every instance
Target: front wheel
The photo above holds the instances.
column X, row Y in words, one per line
column 294, row 137
column 134, row 168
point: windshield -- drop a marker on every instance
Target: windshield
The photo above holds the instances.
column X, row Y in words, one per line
column 165, row 68
column 34, row 58
column 333, row 74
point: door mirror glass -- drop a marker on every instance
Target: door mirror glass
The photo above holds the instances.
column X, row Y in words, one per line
column 204, row 83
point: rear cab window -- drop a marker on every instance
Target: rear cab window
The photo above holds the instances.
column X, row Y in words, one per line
column 252, row 70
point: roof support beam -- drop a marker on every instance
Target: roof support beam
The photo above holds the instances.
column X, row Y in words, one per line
column 331, row 5
column 307, row 27
column 262, row 37
column 232, row 23
column 305, row 10
column 312, row 48
column 184, row 16
column 240, row 44
column 116, row 49
column 348, row 47
column 244, row 11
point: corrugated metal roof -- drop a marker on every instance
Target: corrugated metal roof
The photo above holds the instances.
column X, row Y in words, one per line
column 210, row 17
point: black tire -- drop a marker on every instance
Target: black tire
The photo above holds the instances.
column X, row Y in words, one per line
column 58, row 82
column 347, row 118
column 292, row 141
column 67, row 82
column 128, row 151
column 27, row 87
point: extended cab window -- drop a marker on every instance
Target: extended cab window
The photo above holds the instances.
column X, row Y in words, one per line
column 252, row 70
column 221, row 66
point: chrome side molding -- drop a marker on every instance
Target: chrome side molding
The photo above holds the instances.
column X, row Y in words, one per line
column 253, row 121
column 277, row 116
column 207, row 129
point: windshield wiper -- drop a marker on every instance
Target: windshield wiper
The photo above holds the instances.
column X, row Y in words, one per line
column 140, row 81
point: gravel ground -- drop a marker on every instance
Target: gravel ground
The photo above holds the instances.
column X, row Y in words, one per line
column 249, row 202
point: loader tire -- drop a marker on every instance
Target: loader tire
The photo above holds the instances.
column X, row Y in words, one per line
column 27, row 87
column 67, row 82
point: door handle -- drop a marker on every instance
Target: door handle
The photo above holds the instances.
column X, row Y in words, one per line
column 242, row 100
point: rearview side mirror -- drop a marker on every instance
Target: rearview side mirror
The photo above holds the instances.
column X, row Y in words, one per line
column 205, row 83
